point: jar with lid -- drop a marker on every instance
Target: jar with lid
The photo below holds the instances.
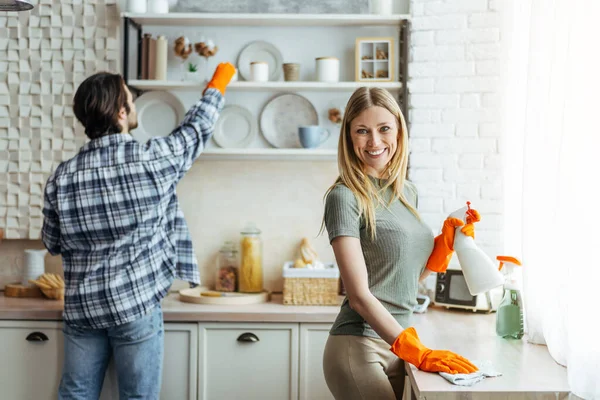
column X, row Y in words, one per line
column 227, row 269
column 251, row 268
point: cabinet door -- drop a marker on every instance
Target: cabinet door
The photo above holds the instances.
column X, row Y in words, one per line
column 180, row 365
column 31, row 354
column 248, row 361
column 312, row 344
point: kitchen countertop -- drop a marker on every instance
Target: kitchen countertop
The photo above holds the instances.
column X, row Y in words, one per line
column 526, row 368
column 177, row 311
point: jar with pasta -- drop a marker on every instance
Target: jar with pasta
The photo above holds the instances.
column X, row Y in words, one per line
column 251, row 268
column 227, row 269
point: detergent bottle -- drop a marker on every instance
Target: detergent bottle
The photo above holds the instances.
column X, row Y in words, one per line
column 509, row 316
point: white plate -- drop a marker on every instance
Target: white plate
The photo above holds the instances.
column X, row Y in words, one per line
column 281, row 117
column 260, row 51
column 159, row 112
column 235, row 128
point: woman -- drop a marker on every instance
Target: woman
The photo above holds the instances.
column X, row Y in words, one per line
column 382, row 249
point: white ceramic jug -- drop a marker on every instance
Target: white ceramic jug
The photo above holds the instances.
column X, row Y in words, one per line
column 33, row 265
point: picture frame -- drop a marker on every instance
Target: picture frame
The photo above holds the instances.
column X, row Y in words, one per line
column 374, row 59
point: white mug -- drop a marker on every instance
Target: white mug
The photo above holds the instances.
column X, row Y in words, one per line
column 158, row 6
column 137, row 6
column 259, row 71
column 328, row 69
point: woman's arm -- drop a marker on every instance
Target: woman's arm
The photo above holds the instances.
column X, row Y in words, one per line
column 351, row 262
column 426, row 272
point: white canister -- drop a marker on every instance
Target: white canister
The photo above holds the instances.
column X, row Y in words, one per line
column 259, row 71
column 160, row 66
column 158, row 6
column 328, row 69
column 137, row 6
column 381, row 7
column 33, row 265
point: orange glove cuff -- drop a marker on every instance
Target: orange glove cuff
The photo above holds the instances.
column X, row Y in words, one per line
column 221, row 77
column 408, row 347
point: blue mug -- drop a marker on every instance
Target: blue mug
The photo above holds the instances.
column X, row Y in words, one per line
column 312, row 136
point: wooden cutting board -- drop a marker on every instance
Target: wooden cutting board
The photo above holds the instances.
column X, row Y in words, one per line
column 194, row 295
column 18, row 290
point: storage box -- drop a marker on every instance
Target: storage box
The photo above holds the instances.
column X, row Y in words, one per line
column 311, row 286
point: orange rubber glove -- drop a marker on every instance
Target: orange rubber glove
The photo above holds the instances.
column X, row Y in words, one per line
column 221, row 77
column 409, row 348
column 443, row 246
column 472, row 217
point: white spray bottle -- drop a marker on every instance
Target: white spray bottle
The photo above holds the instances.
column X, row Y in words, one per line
column 480, row 272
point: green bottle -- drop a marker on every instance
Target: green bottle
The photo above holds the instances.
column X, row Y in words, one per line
column 509, row 316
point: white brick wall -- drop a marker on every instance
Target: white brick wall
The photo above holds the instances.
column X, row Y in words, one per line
column 454, row 80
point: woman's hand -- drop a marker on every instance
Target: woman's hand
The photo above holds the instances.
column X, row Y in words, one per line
column 443, row 246
column 409, row 348
column 472, row 217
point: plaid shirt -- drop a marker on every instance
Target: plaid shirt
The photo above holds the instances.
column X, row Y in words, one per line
column 113, row 214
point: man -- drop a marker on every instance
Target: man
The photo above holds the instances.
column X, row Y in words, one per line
column 113, row 215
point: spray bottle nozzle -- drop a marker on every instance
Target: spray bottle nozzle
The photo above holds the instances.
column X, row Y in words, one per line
column 468, row 205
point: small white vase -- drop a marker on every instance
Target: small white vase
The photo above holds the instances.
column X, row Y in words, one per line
column 33, row 265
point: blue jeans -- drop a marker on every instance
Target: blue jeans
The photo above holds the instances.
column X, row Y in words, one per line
column 137, row 348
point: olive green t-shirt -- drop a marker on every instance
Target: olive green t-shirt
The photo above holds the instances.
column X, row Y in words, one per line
column 394, row 260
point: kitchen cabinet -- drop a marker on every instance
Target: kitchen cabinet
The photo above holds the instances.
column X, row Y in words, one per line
column 312, row 384
column 31, row 361
column 32, row 357
column 248, row 361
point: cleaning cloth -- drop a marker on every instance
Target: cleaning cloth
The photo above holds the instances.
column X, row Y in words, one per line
column 486, row 370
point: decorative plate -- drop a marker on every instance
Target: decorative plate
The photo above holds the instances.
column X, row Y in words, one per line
column 235, row 128
column 281, row 117
column 159, row 112
column 260, row 51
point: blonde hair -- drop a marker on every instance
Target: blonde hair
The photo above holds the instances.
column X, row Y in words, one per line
column 351, row 169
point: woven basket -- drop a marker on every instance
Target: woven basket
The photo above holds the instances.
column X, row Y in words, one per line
column 305, row 286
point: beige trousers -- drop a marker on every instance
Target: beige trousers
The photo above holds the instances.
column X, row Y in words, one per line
column 358, row 367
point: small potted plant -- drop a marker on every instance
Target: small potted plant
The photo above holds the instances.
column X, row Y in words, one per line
column 191, row 73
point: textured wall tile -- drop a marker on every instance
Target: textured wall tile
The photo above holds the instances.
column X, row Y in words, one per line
column 44, row 56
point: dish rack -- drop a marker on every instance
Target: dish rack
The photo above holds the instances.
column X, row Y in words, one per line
column 310, row 286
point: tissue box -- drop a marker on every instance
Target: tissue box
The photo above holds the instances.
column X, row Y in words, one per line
column 311, row 286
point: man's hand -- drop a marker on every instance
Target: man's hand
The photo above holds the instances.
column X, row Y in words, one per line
column 221, row 77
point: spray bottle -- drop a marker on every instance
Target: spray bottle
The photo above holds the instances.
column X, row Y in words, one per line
column 479, row 270
column 509, row 316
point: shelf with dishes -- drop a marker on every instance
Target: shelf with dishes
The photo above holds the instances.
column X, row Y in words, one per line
column 219, row 19
column 279, row 86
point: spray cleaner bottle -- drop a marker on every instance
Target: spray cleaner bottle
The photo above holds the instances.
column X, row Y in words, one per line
column 509, row 316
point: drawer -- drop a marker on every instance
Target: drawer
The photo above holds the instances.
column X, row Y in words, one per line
column 248, row 361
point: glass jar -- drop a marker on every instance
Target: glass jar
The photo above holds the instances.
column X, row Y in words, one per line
column 251, row 268
column 227, row 269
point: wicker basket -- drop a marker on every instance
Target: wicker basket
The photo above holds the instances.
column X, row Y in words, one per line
column 307, row 286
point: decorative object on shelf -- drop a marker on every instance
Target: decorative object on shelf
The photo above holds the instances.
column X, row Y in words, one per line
column 380, row 7
column 312, row 136
column 235, row 128
column 328, row 69
column 374, row 59
column 158, row 6
column 137, row 6
column 159, row 113
column 191, row 73
column 160, row 67
column 283, row 115
column 182, row 48
column 33, row 265
column 334, row 114
column 262, row 51
column 206, row 48
column 291, row 72
column 259, row 71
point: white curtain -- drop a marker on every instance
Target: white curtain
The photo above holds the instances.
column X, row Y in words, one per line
column 551, row 148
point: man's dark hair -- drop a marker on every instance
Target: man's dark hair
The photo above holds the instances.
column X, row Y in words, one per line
column 97, row 103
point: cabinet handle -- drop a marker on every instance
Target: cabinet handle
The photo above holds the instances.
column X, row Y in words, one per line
column 248, row 337
column 37, row 337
